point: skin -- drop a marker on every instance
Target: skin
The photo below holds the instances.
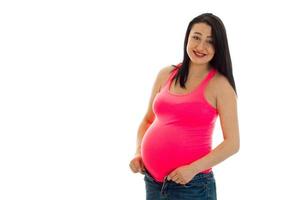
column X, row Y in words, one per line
column 219, row 93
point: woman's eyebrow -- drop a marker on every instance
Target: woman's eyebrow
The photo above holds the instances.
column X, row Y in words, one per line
column 201, row 34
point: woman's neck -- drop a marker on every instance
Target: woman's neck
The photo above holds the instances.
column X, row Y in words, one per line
column 198, row 70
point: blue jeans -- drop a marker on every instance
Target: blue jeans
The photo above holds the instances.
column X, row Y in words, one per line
column 201, row 187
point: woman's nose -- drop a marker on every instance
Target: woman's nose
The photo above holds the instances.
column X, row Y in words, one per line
column 201, row 45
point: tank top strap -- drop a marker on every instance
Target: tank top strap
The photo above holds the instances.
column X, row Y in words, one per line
column 209, row 76
column 172, row 74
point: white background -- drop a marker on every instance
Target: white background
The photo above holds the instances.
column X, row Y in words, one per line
column 76, row 77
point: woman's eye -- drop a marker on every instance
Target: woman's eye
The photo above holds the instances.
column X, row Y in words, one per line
column 196, row 37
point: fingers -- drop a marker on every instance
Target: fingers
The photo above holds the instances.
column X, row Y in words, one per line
column 175, row 177
column 172, row 175
column 136, row 165
column 142, row 165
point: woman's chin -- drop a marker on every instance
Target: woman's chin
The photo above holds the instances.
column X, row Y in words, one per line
column 199, row 62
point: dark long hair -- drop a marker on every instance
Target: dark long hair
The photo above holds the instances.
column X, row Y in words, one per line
column 221, row 60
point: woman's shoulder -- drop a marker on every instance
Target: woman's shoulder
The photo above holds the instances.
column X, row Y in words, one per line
column 166, row 71
column 164, row 74
column 221, row 80
column 221, row 84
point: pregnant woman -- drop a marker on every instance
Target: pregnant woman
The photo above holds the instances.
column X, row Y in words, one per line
column 174, row 140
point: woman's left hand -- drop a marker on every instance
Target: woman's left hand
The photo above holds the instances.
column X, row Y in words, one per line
column 182, row 175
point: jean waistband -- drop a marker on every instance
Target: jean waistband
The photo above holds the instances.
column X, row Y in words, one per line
column 200, row 175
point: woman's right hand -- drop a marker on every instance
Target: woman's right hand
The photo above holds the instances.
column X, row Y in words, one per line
column 137, row 165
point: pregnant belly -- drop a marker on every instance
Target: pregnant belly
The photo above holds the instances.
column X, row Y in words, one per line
column 165, row 148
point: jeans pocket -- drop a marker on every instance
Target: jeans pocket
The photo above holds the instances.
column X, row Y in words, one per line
column 196, row 183
column 200, row 180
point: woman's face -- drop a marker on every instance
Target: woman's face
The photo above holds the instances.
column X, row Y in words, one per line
column 200, row 48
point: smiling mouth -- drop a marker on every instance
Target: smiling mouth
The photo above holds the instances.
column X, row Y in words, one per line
column 200, row 55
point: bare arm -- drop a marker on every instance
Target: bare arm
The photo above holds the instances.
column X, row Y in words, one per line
column 227, row 108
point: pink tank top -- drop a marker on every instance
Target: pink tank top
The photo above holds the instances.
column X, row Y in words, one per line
column 181, row 131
